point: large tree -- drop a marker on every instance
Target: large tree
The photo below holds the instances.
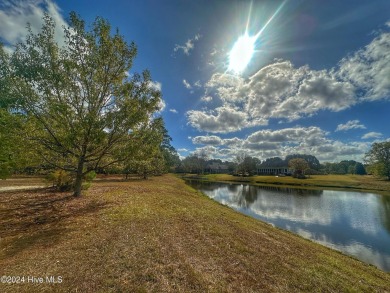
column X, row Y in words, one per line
column 80, row 100
column 378, row 158
column 299, row 165
column 311, row 160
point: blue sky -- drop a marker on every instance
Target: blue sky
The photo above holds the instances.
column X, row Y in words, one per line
column 318, row 83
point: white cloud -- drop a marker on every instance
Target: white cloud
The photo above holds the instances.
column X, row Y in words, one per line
column 197, row 84
column 155, row 85
column 309, row 135
column 226, row 86
column 188, row 46
column 294, row 139
column 206, row 99
column 207, row 140
column 369, row 69
column 214, row 52
column 232, row 142
column 190, row 87
column 278, row 90
column 14, row 16
column 161, row 105
column 352, row 124
column 372, row 135
column 223, row 119
column 324, row 91
column 173, row 111
column 158, row 86
column 187, row 84
column 183, row 150
column 209, row 150
column 270, row 143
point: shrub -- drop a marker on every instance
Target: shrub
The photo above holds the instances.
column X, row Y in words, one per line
column 61, row 179
column 64, row 181
column 90, row 176
column 5, row 170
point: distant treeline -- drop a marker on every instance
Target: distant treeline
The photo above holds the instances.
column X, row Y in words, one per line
column 199, row 163
column 344, row 167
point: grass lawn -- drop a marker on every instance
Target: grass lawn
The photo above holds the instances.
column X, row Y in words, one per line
column 351, row 182
column 159, row 235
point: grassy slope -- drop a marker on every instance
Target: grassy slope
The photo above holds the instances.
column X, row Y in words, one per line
column 353, row 182
column 160, row 235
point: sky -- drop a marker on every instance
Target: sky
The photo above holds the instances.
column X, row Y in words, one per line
column 317, row 81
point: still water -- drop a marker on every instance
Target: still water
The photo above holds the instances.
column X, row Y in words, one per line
column 355, row 223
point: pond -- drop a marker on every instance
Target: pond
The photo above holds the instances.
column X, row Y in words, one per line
column 355, row 223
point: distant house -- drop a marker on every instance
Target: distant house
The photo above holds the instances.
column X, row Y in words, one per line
column 274, row 170
column 216, row 168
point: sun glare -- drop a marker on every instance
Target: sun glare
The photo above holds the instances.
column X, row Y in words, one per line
column 241, row 53
column 243, row 49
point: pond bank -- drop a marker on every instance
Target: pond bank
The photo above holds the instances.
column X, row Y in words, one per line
column 332, row 182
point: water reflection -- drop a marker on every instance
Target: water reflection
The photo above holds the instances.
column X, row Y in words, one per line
column 353, row 222
column 385, row 212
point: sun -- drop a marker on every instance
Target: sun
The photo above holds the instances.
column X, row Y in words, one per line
column 244, row 48
column 241, row 53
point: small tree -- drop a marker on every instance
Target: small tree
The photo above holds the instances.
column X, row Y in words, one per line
column 246, row 164
column 378, row 157
column 299, row 165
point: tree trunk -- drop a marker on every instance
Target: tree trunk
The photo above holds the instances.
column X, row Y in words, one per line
column 79, row 177
column 145, row 174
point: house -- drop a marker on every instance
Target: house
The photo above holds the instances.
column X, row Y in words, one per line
column 274, row 170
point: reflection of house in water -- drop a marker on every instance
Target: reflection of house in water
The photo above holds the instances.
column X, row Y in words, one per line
column 233, row 187
column 384, row 211
column 295, row 191
column 273, row 170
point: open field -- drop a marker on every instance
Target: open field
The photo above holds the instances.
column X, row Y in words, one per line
column 159, row 235
column 349, row 182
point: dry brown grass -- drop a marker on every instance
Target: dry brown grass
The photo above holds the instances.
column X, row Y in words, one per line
column 160, row 235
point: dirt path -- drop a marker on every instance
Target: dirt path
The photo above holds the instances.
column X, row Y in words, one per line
column 26, row 187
